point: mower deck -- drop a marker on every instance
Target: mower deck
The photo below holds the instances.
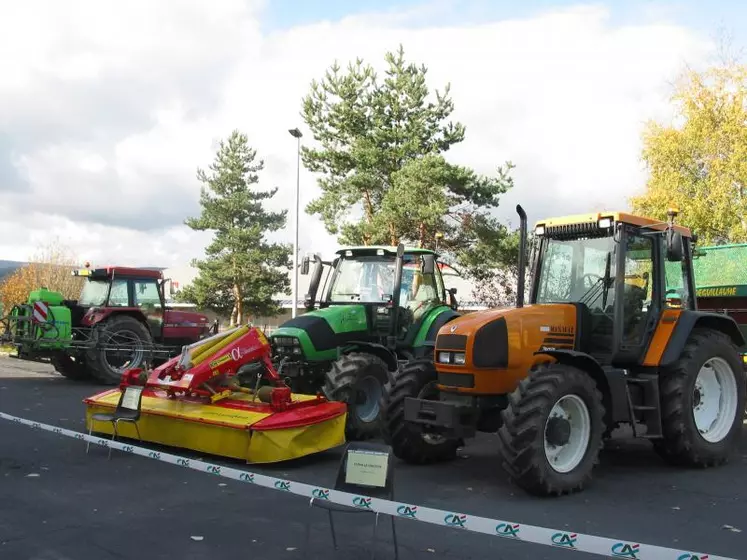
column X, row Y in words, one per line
column 234, row 427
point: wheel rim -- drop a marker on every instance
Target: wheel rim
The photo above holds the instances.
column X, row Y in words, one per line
column 570, row 412
column 429, row 392
column 128, row 343
column 715, row 400
column 369, row 393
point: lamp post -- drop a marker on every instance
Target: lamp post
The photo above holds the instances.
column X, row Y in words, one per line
column 297, row 135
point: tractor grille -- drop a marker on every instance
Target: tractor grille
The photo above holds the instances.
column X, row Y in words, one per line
column 466, row 380
column 451, row 342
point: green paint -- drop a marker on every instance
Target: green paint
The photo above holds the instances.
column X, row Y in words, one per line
column 342, row 318
column 310, row 353
column 434, row 314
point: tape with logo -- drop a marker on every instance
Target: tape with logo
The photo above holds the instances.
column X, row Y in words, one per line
column 521, row 532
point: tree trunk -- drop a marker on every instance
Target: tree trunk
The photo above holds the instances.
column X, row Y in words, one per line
column 394, row 240
column 421, row 241
column 239, row 304
column 232, row 320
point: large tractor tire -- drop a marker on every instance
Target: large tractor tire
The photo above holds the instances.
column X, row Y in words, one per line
column 69, row 367
column 702, row 402
column 126, row 344
column 411, row 442
column 552, row 430
column 357, row 379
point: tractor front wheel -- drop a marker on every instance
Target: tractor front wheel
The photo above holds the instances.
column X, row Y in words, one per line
column 357, row 380
column 702, row 402
column 121, row 342
column 411, row 442
column 552, row 430
column 70, row 367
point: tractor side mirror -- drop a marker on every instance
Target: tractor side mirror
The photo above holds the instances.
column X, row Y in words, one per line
column 452, row 298
column 305, row 265
column 429, row 264
column 675, row 250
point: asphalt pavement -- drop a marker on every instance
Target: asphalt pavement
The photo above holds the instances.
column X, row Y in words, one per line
column 57, row 503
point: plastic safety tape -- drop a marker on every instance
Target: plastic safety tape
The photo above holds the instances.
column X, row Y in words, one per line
column 500, row 528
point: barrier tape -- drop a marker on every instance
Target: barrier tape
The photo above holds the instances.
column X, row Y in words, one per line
column 522, row 532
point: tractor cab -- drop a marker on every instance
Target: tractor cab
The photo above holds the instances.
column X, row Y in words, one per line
column 139, row 291
column 383, row 279
column 620, row 272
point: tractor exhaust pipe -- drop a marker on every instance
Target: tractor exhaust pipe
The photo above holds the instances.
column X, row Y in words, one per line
column 316, row 277
column 395, row 296
column 522, row 255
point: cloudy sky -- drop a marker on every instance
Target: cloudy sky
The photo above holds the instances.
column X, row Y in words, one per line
column 107, row 109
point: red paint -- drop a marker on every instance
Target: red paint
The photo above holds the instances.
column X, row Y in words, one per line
column 212, row 375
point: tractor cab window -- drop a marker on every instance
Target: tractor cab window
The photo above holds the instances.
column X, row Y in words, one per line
column 637, row 288
column 119, row 297
column 420, row 292
column 147, row 294
column 94, row 293
column 676, row 292
column 365, row 279
column 578, row 271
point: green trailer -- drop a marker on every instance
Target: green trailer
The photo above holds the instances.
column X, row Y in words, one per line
column 721, row 281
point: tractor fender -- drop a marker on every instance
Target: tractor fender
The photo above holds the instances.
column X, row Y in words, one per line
column 427, row 344
column 611, row 383
column 689, row 320
column 95, row 316
column 389, row 357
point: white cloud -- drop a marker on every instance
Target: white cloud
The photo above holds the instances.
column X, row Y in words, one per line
column 107, row 111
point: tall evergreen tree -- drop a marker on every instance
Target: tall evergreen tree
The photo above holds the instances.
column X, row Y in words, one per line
column 384, row 178
column 242, row 270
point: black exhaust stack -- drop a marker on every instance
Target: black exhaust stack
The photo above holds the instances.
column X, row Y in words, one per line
column 522, row 256
column 316, row 276
column 394, row 313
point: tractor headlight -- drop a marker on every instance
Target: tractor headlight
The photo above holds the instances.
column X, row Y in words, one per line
column 459, row 358
column 287, row 345
column 443, row 357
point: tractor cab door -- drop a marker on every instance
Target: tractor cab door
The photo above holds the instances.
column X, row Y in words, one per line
column 422, row 290
column 148, row 296
column 637, row 297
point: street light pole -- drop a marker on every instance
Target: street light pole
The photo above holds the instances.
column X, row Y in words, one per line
column 297, row 135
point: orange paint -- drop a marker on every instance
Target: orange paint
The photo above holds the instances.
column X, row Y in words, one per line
column 662, row 334
column 527, row 327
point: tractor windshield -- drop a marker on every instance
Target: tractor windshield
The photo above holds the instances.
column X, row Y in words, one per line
column 94, row 293
column 577, row 270
column 370, row 279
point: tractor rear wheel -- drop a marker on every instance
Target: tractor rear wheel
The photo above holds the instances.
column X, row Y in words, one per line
column 122, row 342
column 69, row 367
column 357, row 380
column 410, row 442
column 702, row 402
column 552, row 430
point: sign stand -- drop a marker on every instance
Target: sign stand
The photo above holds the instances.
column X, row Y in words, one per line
column 366, row 469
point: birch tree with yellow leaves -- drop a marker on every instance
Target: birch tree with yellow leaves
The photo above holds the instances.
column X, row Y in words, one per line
column 698, row 163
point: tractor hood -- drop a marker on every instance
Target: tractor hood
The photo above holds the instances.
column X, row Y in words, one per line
column 188, row 318
column 318, row 333
column 505, row 340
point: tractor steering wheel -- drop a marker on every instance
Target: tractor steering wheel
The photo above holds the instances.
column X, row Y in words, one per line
column 594, row 279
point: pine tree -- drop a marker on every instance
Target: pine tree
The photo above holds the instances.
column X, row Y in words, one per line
column 242, row 271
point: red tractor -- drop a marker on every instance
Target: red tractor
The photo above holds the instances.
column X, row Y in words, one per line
column 121, row 321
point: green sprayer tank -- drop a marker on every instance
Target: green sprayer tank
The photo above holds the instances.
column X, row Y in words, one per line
column 53, row 334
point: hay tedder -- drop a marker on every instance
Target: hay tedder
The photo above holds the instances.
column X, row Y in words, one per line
column 121, row 320
column 223, row 396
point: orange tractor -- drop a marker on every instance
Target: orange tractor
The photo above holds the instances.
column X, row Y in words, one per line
column 612, row 335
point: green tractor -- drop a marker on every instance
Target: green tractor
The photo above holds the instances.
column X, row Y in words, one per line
column 380, row 307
